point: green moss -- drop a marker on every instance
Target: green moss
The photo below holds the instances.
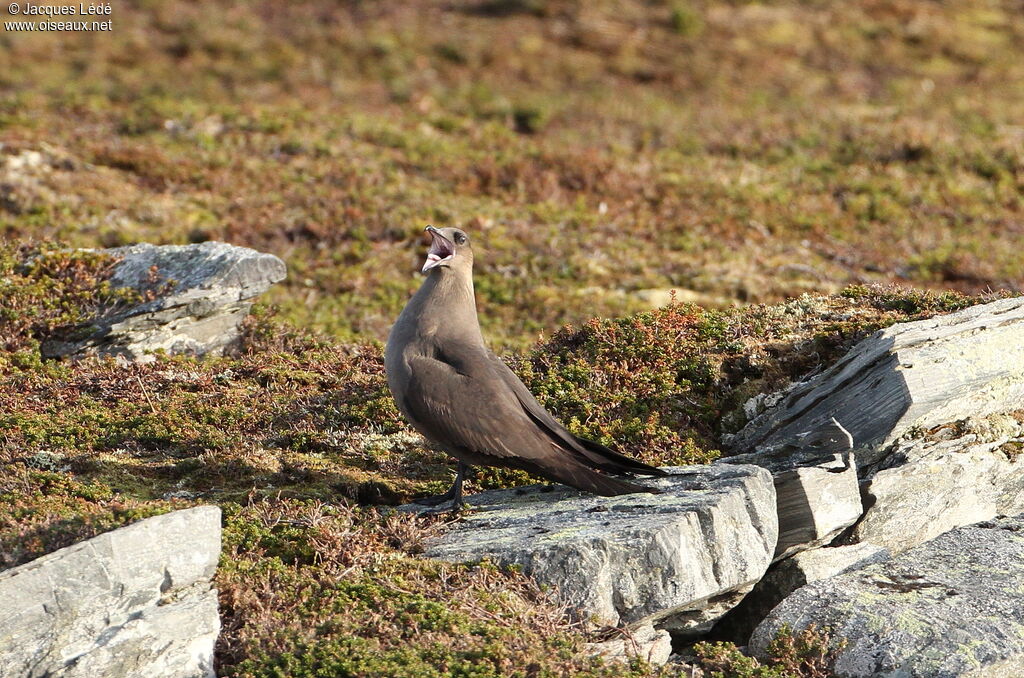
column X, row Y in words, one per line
column 648, row 383
column 686, row 20
column 725, row 660
column 49, row 292
column 807, row 654
column 909, row 302
column 361, row 607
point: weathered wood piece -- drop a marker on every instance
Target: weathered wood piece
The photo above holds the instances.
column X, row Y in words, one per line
column 918, row 374
column 679, row 559
column 196, row 298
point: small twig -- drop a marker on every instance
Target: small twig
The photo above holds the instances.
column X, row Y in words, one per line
column 145, row 393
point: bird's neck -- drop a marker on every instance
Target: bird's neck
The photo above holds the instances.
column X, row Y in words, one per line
column 446, row 305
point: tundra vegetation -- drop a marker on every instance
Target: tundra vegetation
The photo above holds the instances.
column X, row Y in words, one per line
column 600, row 153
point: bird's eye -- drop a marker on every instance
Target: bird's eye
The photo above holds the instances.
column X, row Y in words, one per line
column 460, row 239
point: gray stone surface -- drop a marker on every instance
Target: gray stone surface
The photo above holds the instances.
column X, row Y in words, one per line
column 645, row 641
column 133, row 602
column 808, row 566
column 815, row 504
column 912, row 375
column 787, row 576
column 197, row 297
column 679, row 559
column 950, row 607
column 954, row 476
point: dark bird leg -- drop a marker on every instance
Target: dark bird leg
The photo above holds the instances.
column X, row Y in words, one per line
column 454, row 493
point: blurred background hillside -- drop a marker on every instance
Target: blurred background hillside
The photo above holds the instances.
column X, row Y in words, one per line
column 600, row 152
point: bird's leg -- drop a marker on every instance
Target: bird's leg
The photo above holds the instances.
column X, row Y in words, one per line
column 456, row 490
column 454, row 493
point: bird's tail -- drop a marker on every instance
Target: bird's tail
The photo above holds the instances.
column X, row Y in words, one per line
column 583, row 478
column 607, row 459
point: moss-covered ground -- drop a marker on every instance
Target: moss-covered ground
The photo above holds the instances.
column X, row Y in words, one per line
column 600, row 154
column 297, row 439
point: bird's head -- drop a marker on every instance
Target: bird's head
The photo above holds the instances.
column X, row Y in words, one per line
column 449, row 248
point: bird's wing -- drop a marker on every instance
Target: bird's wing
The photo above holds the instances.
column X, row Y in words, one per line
column 460, row 402
column 595, row 453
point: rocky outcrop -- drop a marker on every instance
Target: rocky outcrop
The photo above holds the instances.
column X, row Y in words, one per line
column 133, row 602
column 954, row 475
column 914, row 375
column 815, row 502
column 923, row 412
column 679, row 559
column 194, row 297
column 910, row 435
column 950, row 607
column 787, row 576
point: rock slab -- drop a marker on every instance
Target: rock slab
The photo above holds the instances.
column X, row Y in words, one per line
column 194, row 299
column 912, row 375
column 950, row 607
column 953, row 476
column 133, row 602
column 679, row 559
column 816, row 503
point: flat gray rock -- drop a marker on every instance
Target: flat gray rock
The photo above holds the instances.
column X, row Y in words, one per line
column 679, row 559
column 911, row 375
column 955, row 476
column 816, row 503
column 950, row 607
column 133, row 602
column 196, row 296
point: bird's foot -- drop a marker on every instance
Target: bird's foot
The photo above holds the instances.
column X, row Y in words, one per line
column 441, row 504
column 436, row 500
column 450, row 508
column 453, row 497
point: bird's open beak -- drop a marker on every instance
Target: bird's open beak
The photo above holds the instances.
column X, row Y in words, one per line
column 441, row 250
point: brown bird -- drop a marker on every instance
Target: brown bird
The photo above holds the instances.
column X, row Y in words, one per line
column 461, row 396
